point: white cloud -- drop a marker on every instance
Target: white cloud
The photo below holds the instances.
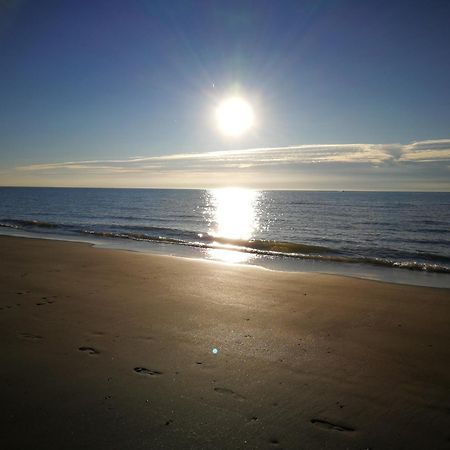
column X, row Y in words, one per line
column 371, row 154
column 427, row 151
column 420, row 165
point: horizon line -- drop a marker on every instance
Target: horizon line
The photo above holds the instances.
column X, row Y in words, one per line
column 223, row 187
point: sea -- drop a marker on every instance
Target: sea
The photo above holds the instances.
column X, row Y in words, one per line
column 400, row 237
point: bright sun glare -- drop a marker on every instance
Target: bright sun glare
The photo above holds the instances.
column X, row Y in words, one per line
column 233, row 215
column 235, row 116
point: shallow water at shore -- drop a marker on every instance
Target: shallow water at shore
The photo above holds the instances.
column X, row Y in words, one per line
column 401, row 237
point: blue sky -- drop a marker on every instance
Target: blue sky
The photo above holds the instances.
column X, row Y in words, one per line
column 86, row 87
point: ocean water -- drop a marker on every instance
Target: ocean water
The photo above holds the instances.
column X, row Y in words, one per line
column 393, row 236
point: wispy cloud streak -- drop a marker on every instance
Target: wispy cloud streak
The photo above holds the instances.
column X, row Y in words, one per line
column 425, row 151
column 367, row 154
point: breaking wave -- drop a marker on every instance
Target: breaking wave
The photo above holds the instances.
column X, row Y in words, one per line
column 271, row 248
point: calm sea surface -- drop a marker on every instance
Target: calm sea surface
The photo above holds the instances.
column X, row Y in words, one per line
column 402, row 237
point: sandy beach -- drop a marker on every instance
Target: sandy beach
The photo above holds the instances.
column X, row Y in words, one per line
column 108, row 349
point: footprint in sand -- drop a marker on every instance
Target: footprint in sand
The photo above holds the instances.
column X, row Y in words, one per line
column 225, row 391
column 145, row 371
column 330, row 426
column 144, row 338
column 89, row 350
column 45, row 301
column 98, row 333
column 31, row 337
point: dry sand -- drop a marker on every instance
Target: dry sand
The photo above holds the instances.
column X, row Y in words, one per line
column 106, row 349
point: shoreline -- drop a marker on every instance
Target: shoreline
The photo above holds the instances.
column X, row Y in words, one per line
column 114, row 349
column 400, row 276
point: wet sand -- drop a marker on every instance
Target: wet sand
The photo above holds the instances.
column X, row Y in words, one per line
column 109, row 349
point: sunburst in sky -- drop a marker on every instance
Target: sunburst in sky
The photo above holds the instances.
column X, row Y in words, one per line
column 235, row 116
column 150, row 82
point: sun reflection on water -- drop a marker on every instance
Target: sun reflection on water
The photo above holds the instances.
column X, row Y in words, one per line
column 233, row 220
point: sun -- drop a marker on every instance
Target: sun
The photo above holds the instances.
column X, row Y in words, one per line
column 235, row 116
